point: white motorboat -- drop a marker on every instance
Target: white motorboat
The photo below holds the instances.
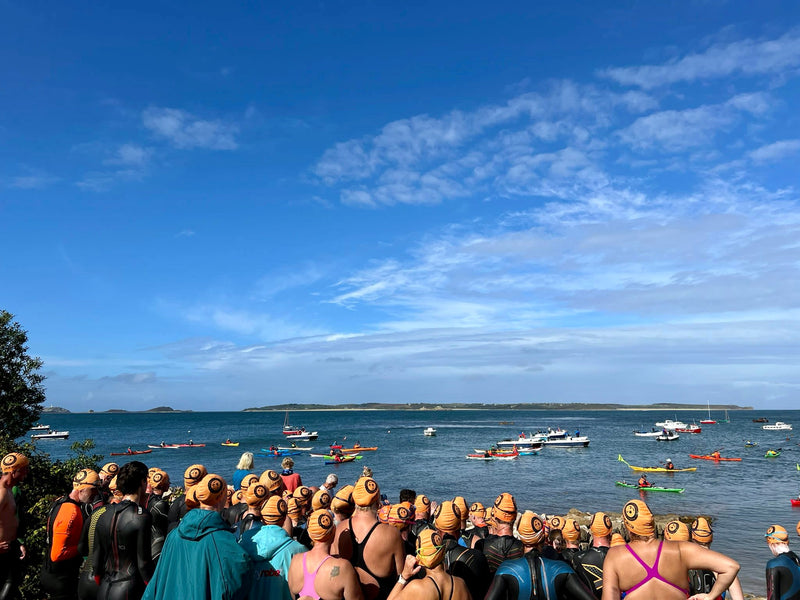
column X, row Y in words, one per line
column 777, row 426
column 670, row 424
column 430, row 431
column 51, row 435
column 557, row 433
column 295, row 447
column 308, row 436
column 520, row 443
column 652, row 433
column 569, row 441
column 40, row 428
column 669, row 436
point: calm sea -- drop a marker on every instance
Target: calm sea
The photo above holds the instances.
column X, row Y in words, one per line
column 745, row 498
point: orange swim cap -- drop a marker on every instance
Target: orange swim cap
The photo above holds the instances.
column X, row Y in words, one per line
column 447, row 517
column 462, row 507
column 430, row 548
column 776, row 535
column 320, row 526
column 421, row 503
column 274, row 511
column 600, row 525
column 248, row 481
column 571, row 530
column 159, row 480
column 303, row 495
column 237, row 497
column 256, row 494
column 505, row 508
column 676, row 531
column 210, row 490
column 617, row 540
column 273, row 481
column 401, row 516
column 701, row 531
column 320, row 499
column 112, row 485
column 366, row 492
column 477, row 509
column 798, row 528
column 193, row 475
column 555, row 522
column 85, row 478
column 343, row 500
column 638, row 519
column 13, row 461
column 530, row 528
column 383, row 513
column 293, row 508
column 111, row 468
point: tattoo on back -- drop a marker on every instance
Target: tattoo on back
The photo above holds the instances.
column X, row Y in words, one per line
column 334, row 572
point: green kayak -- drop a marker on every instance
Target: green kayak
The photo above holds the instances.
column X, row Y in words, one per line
column 652, row 488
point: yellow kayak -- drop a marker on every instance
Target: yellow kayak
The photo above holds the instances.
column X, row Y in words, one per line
column 655, row 469
column 233, row 444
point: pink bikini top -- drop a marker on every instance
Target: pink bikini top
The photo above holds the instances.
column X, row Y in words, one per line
column 652, row 572
column 309, row 578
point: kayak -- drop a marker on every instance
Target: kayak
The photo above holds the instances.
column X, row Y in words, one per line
column 232, row 444
column 168, row 446
column 706, row 457
column 772, row 453
column 652, row 488
column 355, row 456
column 131, row 453
column 656, row 469
column 190, row 445
column 357, row 450
column 795, row 501
column 479, row 457
column 269, row 452
column 346, row 459
column 295, row 447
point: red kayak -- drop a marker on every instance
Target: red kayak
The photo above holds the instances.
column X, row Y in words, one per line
column 714, row 458
column 131, row 453
column 795, row 501
column 190, row 445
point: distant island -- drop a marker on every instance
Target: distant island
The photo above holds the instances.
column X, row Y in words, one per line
column 157, row 409
column 485, row 406
column 54, row 410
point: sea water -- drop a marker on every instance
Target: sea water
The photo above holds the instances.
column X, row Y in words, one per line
column 744, row 498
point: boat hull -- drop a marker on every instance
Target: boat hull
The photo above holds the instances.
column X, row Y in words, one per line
column 652, row 488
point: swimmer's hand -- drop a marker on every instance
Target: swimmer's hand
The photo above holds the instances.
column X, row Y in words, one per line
column 433, row 507
column 22, row 552
column 3, row 547
column 702, row 597
column 410, row 567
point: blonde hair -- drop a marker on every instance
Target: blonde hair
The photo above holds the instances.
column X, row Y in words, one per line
column 245, row 462
column 287, row 463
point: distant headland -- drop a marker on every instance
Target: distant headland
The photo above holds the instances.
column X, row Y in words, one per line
column 485, row 406
column 158, row 409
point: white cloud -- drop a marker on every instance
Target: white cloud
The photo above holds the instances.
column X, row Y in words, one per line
column 775, row 151
column 744, row 57
column 184, row 130
column 130, row 155
column 33, row 181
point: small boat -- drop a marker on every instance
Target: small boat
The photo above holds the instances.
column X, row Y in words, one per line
column 651, row 488
column 479, row 457
column 532, row 441
column 795, row 501
column 358, row 449
column 40, row 427
column 568, row 442
column 190, row 445
column 772, row 453
column 231, row 444
column 308, row 436
column 761, row 420
column 709, row 420
column 777, row 426
column 693, row 428
column 317, row 455
column 344, row 459
column 749, row 444
column 498, row 453
column 656, row 469
column 131, row 453
column 670, row 424
column 269, row 452
column 164, row 446
column 305, row 448
column 644, row 433
column 51, row 435
column 714, row 458
column 429, row 431
column 667, row 436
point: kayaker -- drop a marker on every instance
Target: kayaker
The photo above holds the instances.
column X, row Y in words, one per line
column 130, row 450
column 228, row 441
column 669, row 465
column 647, row 567
column 783, row 571
column 715, row 454
column 643, row 481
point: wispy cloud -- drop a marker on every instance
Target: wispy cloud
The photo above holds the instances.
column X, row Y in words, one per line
column 184, row 130
column 130, row 155
column 36, row 181
column 743, row 57
column 775, row 151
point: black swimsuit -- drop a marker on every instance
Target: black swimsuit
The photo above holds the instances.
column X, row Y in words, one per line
column 385, row 584
column 438, row 591
column 122, row 552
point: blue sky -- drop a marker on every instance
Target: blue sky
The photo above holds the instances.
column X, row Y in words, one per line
column 220, row 207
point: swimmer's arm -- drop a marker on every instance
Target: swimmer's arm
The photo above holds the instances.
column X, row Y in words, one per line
column 144, row 549
column 575, row 588
column 773, row 583
column 611, row 589
column 408, row 590
column 352, row 586
column 399, row 555
column 500, row 588
column 697, row 557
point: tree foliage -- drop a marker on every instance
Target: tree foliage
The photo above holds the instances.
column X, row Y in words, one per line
column 21, row 390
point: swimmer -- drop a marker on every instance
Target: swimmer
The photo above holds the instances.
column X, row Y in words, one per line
column 158, row 507
column 501, row 544
column 783, row 571
column 649, row 568
column 316, row 573
column 701, row 581
column 255, row 496
column 15, row 468
column 588, row 564
column 467, row 563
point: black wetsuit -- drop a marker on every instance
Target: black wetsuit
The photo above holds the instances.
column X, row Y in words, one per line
column 122, row 552
column 468, row 564
column 783, row 577
column 246, row 523
column 588, row 564
column 476, row 533
column 176, row 512
column 533, row 577
column 497, row 548
column 159, row 510
column 233, row 514
column 10, row 562
column 87, row 587
column 416, row 528
column 385, row 584
column 701, row 581
column 59, row 579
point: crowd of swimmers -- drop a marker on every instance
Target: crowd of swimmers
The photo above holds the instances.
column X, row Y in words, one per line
column 124, row 533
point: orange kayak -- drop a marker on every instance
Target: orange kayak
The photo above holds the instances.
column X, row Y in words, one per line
column 357, row 450
column 714, row 458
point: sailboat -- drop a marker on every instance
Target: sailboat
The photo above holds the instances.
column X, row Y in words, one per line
column 297, row 433
column 726, row 419
column 709, row 420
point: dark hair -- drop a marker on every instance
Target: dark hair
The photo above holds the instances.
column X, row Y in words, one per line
column 407, row 495
column 130, row 477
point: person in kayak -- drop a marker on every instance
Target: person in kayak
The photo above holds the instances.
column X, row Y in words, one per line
column 647, row 567
column 669, row 465
column 643, row 481
column 716, row 455
column 783, row 571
